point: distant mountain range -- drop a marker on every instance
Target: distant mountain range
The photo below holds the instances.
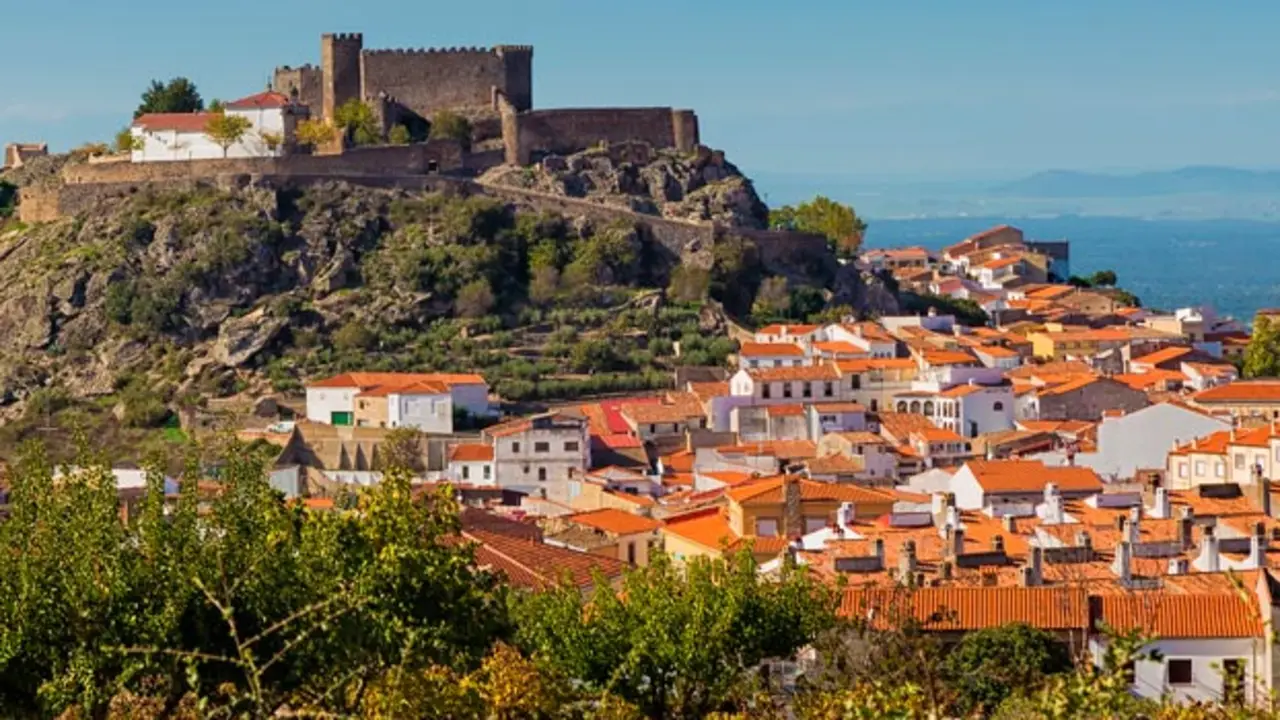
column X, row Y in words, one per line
column 1188, row 180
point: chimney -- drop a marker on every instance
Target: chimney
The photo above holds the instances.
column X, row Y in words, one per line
column 1027, row 576
column 1185, row 526
column 844, row 517
column 1264, row 490
column 957, row 542
column 1010, row 525
column 1258, row 546
column 1178, row 566
column 907, row 561
column 1121, row 565
column 1162, row 507
column 792, row 513
column 877, row 547
column 1135, row 521
column 997, row 544
column 1037, row 563
column 1208, row 560
column 1084, row 541
column 944, row 570
column 1054, row 510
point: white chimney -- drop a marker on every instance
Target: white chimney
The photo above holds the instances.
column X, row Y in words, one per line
column 939, row 502
column 1054, row 509
column 1122, row 564
column 1162, row 508
column 1258, row 547
column 1208, row 560
column 1178, row 566
column 844, row 518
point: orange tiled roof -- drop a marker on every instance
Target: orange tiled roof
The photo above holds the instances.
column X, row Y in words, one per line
column 1001, row 262
column 707, row 527
column 803, row 372
column 413, row 388
column 655, row 413
column 937, row 434
column 962, row 390
column 268, row 99
column 1070, row 385
column 536, row 565
column 790, row 410
column 680, row 461
column 768, row 491
column 1241, row 391
column 1162, row 355
column 860, row 365
column 1150, row 379
column 781, row 349
column 1031, row 476
column 1220, row 615
column 787, row 329
column 616, row 521
column 1211, row 444
column 838, row 347
column 900, row 425
column 707, row 390
column 791, row 449
column 835, row 464
column 861, row 437
column 180, row 122
column 996, row 351
column 471, row 452
column 839, row 407
column 948, row 357
column 972, row 608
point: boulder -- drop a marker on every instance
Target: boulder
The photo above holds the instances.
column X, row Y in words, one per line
column 239, row 339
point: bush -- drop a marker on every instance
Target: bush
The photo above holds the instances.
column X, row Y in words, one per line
column 354, row 335
column 448, row 125
column 475, row 299
column 8, row 198
column 596, row 356
column 399, row 135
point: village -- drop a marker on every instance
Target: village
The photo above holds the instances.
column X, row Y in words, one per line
column 1075, row 462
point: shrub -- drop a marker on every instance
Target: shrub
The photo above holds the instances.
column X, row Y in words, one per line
column 8, row 198
column 399, row 135
column 475, row 299
column 448, row 125
column 354, row 335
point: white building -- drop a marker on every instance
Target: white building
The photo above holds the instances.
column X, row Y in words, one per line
column 164, row 137
column 994, row 483
column 472, row 464
column 541, row 455
column 426, row 401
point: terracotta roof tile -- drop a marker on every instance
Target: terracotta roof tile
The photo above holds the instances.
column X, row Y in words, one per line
column 268, row 99
column 780, row 349
column 1031, row 476
column 1222, row 615
column 787, row 329
column 707, row 527
column 768, row 491
column 861, row 365
column 1263, row 391
column 804, row 372
column 377, row 379
column 972, row 608
column 471, row 452
column 790, row 410
column 616, row 521
column 536, row 565
column 1162, row 355
column 181, row 122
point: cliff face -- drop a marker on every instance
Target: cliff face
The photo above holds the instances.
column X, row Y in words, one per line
column 699, row 186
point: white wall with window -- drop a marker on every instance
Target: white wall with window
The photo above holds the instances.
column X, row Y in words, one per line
column 1190, row 670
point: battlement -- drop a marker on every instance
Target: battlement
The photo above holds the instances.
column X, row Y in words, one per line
column 301, row 68
column 343, row 37
column 513, row 48
column 431, row 51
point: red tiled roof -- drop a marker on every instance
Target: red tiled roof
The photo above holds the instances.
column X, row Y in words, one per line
column 787, row 329
column 759, row 349
column 860, row 365
column 616, row 521
column 769, row 491
column 1220, row 615
column 971, row 608
column 181, row 122
column 1246, row 391
column 787, row 449
column 1162, row 355
column 535, row 565
column 612, row 410
column 707, row 527
column 784, row 410
column 1032, row 476
column 268, row 99
column 471, row 452
column 803, row 372
column 839, row 407
column 948, row 357
column 379, row 379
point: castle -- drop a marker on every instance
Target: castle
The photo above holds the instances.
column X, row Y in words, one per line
column 492, row 86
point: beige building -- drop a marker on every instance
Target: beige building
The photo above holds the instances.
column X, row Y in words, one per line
column 608, row 532
column 1249, row 401
column 539, row 455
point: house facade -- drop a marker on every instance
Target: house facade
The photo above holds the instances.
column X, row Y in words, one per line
column 167, row 137
column 541, row 455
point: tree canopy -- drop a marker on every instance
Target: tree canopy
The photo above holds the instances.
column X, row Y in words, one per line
column 227, row 130
column 823, row 216
column 179, row 95
column 1262, row 356
column 358, row 122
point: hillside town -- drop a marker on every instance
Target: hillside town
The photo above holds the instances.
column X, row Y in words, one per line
column 1075, row 462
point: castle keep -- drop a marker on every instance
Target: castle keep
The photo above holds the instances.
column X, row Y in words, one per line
column 419, row 81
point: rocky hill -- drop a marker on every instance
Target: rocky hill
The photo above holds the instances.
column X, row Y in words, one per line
column 685, row 186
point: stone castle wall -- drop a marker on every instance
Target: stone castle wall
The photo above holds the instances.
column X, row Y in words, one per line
column 457, row 78
column 305, row 84
column 570, row 130
column 399, row 160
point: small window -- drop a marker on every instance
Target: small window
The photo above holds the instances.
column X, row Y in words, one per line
column 488, row 471
column 542, row 474
column 855, row 382
column 653, row 428
column 828, row 389
column 466, row 473
column 1199, row 468
column 1239, row 461
column 875, row 406
column 631, row 553
column 1179, row 672
column 765, row 390
column 515, row 446
column 1219, row 469
column 786, row 389
column 526, row 469
column 807, row 390
column 997, row 406
column 1182, row 470
column 766, row 527
column 541, row 447
column 571, row 446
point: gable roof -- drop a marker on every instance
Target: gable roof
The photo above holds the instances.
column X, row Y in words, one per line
column 971, row 608
column 535, row 565
column 769, row 491
column 362, row 380
column 618, row 522
column 1026, row 476
column 1219, row 615
column 471, row 452
column 1162, row 355
column 761, row 349
column 1265, row 391
column 268, row 99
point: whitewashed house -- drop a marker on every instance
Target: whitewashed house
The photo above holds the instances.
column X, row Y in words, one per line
column 426, row 401
column 167, row 137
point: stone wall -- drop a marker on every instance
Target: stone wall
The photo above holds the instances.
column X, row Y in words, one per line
column 305, row 84
column 418, row 159
column 429, row 80
column 571, row 130
column 340, row 64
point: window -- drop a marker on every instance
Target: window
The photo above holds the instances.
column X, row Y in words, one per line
column 765, row 391
column 653, row 428
column 766, row 527
column 526, row 469
column 855, row 382
column 755, row 363
column 812, row 524
column 571, row 446
column 915, row 406
column 1278, row 453
column 1182, row 470
column 542, row 474
column 786, row 390
column 541, row 447
column 902, row 406
column 828, row 390
column 631, row 553
column 998, row 406
column 1220, row 469
column 1239, row 461
column 807, row 390
column 488, row 471
column 515, row 447
column 875, row 407
column 928, row 407
column 1233, row 681
column 827, row 419
column 1199, row 467
column 466, row 473
column 1179, row 672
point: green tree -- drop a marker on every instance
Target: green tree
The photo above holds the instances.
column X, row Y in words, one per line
column 544, row 285
column 272, row 140
column 1103, row 278
column 1262, row 355
column 399, row 135
column 596, row 355
column 989, row 665
column 127, row 142
column 179, row 95
column 688, row 284
column 216, row 105
column 315, row 133
column 358, row 122
column 449, row 125
column 354, row 335
column 227, row 130
column 676, row 642
column 823, row 216
column 8, row 198
column 475, row 299
column 806, row 301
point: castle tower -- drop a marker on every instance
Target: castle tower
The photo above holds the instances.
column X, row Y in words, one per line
column 340, row 62
column 517, row 67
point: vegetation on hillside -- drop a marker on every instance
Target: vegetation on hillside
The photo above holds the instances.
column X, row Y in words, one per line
column 823, row 216
column 965, row 310
column 1262, row 356
column 8, row 199
column 223, row 600
column 179, row 95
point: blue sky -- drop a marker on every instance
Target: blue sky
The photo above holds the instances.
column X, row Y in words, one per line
column 982, row 88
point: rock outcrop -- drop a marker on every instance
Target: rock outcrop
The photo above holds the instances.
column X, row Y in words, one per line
column 700, row 186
